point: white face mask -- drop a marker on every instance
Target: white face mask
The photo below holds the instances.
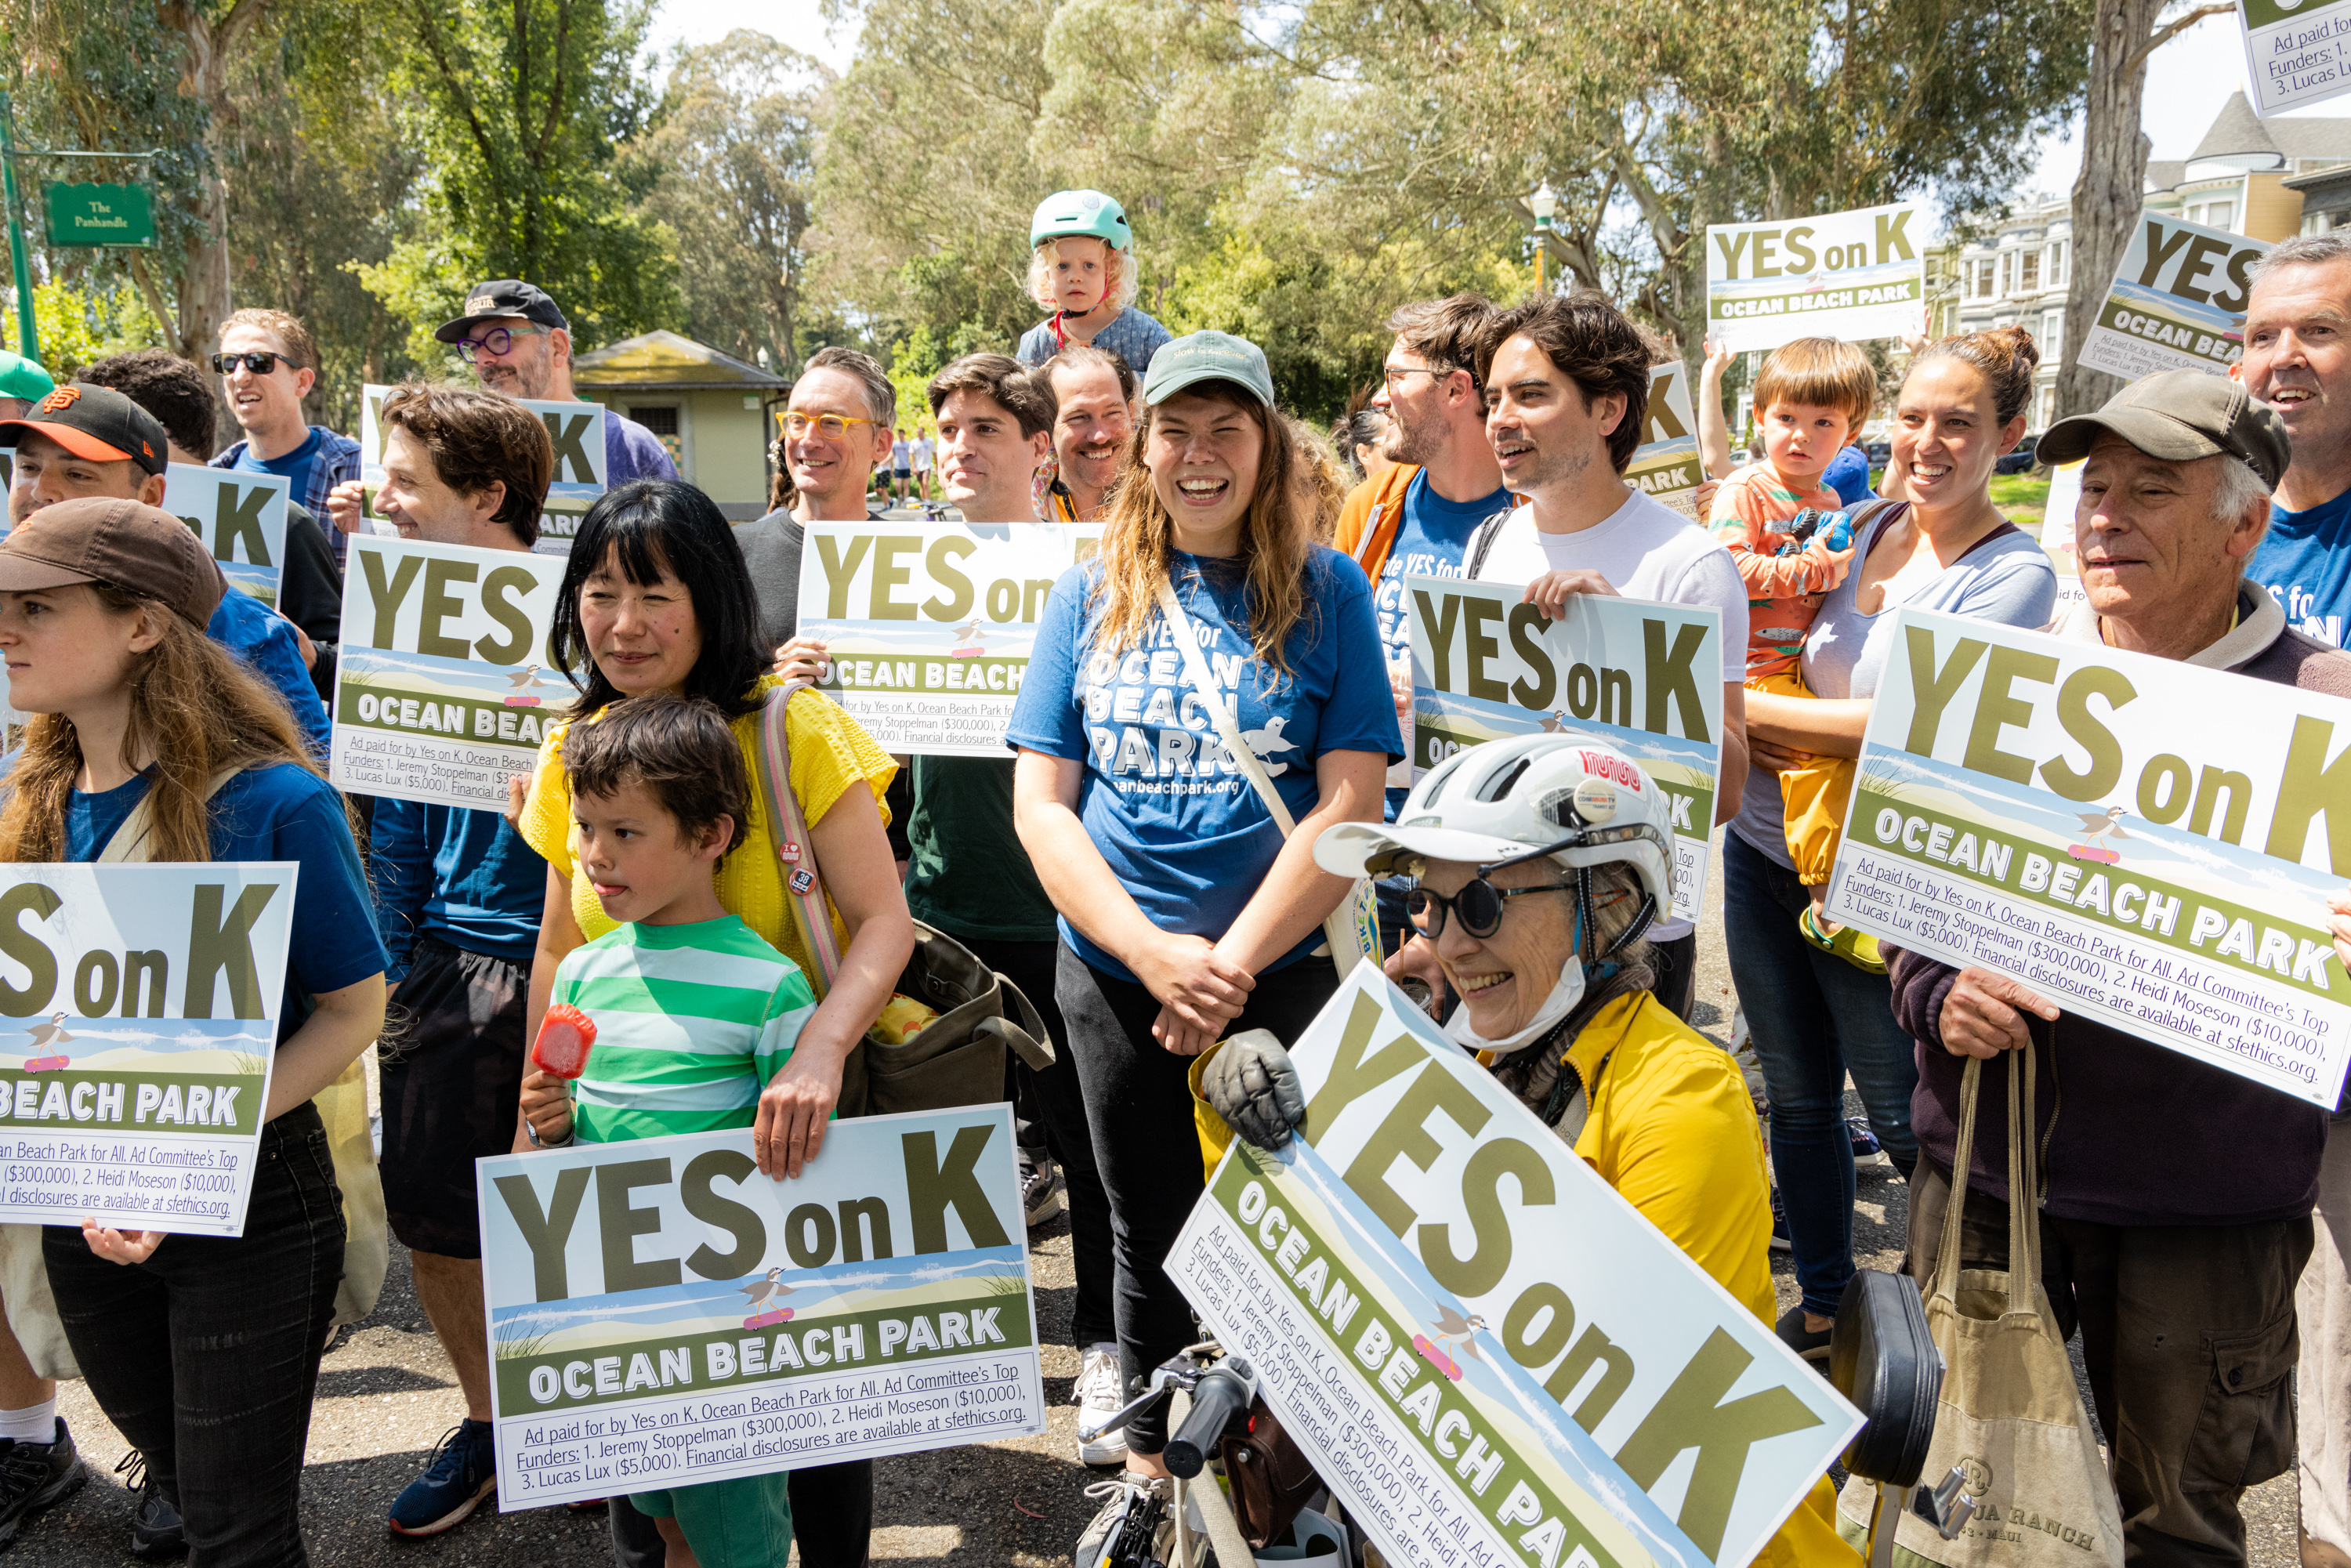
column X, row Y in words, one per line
column 1556, row 1005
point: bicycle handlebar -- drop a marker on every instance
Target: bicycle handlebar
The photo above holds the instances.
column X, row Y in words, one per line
column 1225, row 1391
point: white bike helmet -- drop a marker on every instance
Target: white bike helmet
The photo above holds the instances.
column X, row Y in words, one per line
column 1577, row 802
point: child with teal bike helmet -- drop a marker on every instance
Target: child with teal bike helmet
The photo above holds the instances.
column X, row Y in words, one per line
column 1082, row 269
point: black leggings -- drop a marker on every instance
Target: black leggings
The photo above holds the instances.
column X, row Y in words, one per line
column 1140, row 1108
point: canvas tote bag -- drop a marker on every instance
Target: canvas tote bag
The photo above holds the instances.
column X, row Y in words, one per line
column 350, row 1141
column 2010, row 1414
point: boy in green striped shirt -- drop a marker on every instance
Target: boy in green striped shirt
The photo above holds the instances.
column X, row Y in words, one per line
column 695, row 1012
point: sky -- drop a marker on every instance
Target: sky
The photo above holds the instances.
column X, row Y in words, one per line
column 800, row 23
column 2187, row 81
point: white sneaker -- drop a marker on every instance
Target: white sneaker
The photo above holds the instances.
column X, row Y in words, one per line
column 1130, row 1490
column 1099, row 1391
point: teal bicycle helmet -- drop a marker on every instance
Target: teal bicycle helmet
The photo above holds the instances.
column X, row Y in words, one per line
column 1066, row 214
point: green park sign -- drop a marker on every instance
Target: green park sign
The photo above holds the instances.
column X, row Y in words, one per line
column 100, row 215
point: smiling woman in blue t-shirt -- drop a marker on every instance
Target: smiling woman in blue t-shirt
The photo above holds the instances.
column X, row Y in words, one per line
column 1184, row 915
column 203, row 1351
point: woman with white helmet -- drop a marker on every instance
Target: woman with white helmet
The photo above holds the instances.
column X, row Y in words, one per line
column 1082, row 269
column 1540, row 862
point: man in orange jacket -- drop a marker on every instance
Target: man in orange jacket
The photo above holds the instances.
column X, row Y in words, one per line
column 1417, row 518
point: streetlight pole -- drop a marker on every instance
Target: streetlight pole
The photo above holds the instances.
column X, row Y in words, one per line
column 28, row 341
column 1544, row 204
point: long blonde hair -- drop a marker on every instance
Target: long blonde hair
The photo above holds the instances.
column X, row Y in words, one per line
column 1277, row 540
column 194, row 705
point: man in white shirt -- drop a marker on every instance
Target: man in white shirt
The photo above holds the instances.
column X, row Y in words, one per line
column 1567, row 388
column 920, row 451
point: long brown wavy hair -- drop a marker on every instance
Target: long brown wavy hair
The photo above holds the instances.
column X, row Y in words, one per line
column 1277, row 538
column 198, row 709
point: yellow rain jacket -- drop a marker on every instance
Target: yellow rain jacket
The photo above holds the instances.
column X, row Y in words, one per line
column 1670, row 1126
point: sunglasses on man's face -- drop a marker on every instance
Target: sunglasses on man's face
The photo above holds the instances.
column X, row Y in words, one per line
column 259, row 363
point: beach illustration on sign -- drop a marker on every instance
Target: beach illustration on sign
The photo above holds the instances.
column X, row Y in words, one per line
column 968, row 637
column 61, row 1040
column 431, row 675
column 260, row 581
column 1670, row 760
column 2038, row 818
column 1452, row 1329
column 2211, row 320
column 717, row 1306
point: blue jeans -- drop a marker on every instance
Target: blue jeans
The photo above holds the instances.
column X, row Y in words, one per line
column 1814, row 1018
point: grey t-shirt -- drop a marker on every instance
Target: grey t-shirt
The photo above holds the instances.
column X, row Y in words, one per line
column 2006, row 579
column 771, row 550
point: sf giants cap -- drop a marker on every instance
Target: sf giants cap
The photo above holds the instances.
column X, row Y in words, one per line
column 1207, row 356
column 97, row 422
column 2179, row 416
column 140, row 549
column 503, row 297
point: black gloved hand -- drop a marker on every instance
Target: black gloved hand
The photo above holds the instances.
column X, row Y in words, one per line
column 1252, row 1085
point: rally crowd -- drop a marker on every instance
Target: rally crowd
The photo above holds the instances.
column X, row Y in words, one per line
column 1154, row 888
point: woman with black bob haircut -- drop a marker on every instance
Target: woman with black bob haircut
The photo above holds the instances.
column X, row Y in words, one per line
column 656, row 598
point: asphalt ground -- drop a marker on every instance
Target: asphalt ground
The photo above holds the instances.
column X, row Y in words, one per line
column 386, row 1394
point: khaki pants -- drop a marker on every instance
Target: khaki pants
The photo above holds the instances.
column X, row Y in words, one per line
column 2187, row 1331
column 2322, row 1302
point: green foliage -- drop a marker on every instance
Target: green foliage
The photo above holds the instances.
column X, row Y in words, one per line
column 517, row 110
column 81, row 326
column 729, row 167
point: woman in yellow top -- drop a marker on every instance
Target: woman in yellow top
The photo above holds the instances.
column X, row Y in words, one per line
column 656, row 598
column 1538, row 928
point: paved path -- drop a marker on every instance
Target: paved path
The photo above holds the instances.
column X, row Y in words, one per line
column 386, row 1395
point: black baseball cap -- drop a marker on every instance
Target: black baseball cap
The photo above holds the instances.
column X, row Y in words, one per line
column 503, row 297
column 97, row 422
column 2180, row 416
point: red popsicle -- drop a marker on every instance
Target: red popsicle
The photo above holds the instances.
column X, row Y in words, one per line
column 566, row 1035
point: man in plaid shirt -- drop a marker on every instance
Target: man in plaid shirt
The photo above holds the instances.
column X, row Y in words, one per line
column 268, row 365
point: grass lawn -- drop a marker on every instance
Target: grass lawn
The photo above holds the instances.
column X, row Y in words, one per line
column 2022, row 497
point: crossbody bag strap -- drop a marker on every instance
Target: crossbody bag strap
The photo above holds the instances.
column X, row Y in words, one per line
column 803, row 889
column 1229, row 725
column 130, row 845
column 1345, row 933
column 1481, row 543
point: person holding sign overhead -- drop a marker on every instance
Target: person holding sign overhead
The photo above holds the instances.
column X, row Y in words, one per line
column 2176, row 1252
column 655, row 598
column 203, row 1351
column 1816, row 1018
column 1186, row 912
column 458, row 895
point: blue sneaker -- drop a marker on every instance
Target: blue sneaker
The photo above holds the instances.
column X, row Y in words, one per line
column 1780, row 1242
column 461, row 1473
column 1866, row 1150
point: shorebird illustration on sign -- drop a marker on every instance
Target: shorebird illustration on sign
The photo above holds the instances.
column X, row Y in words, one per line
column 2097, row 825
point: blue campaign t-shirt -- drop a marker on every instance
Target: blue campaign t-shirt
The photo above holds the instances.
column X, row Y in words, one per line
column 1172, row 814
column 265, row 640
column 1848, row 475
column 465, row 877
column 281, row 812
column 2304, row 561
column 293, row 466
column 1431, row 537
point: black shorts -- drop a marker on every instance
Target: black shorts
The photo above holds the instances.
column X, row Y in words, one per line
column 451, row 1080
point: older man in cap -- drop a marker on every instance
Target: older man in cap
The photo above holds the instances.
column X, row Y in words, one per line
column 2176, row 1217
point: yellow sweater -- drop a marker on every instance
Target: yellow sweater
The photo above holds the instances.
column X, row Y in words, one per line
column 1672, row 1129
column 830, row 751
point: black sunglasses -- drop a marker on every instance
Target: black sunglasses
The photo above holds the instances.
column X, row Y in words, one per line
column 1479, row 905
column 259, row 363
